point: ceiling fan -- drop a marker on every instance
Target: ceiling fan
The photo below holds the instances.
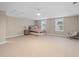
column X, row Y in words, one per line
column 74, row 3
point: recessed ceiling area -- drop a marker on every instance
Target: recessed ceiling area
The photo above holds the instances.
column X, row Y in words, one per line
column 46, row 9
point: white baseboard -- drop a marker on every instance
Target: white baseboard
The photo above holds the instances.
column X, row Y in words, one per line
column 14, row 36
column 3, row 42
column 56, row 35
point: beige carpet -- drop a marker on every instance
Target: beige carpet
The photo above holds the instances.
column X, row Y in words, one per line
column 40, row 46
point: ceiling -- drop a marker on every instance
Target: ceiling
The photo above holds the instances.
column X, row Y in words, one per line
column 46, row 9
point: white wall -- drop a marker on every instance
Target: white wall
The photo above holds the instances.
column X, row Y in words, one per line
column 78, row 24
column 15, row 26
column 70, row 24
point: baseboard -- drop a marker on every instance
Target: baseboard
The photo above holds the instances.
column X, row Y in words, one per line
column 11, row 36
column 3, row 41
column 56, row 35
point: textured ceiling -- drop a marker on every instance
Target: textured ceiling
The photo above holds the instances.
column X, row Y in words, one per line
column 46, row 9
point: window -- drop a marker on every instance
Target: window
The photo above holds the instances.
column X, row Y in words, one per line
column 43, row 25
column 59, row 24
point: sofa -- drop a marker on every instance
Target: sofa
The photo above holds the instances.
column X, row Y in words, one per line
column 73, row 35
